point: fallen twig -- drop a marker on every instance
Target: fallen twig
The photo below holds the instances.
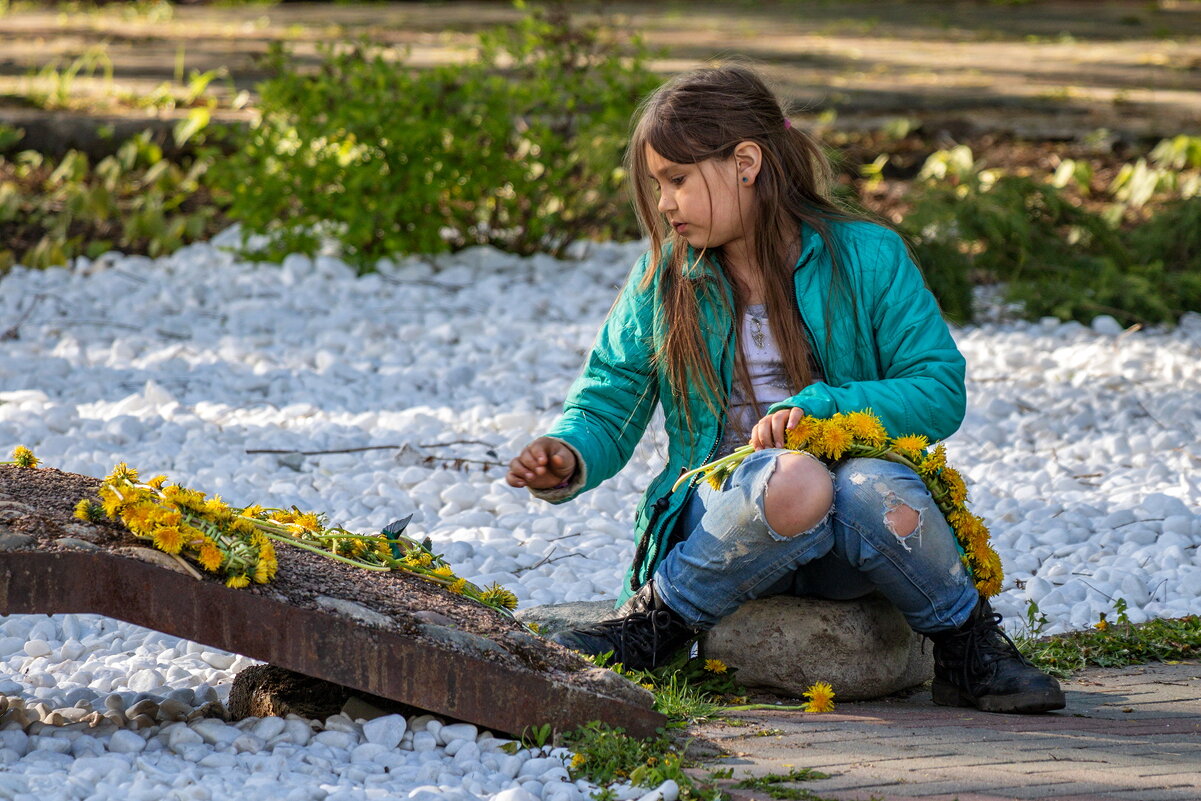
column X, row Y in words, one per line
column 546, row 560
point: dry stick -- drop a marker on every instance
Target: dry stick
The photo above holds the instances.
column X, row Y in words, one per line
column 321, row 453
column 191, row 570
column 455, row 442
column 14, row 332
column 546, row 560
column 346, row 450
column 128, row 327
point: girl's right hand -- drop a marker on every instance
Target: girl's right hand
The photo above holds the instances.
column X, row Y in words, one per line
column 770, row 431
column 543, row 464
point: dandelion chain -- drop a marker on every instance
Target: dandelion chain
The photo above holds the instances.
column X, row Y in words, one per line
column 861, row 434
column 238, row 544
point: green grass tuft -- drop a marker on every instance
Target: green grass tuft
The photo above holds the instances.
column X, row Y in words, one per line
column 1116, row 645
column 774, row 784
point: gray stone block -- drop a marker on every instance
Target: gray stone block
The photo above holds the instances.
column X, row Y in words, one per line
column 863, row 648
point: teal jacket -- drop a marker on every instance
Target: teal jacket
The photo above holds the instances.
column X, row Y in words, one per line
column 894, row 355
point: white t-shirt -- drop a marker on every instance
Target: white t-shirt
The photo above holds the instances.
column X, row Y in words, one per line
column 767, row 375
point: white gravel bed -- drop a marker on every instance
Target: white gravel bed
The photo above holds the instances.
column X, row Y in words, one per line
column 1080, row 448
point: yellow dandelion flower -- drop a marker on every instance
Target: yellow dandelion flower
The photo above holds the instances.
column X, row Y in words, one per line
column 426, row 559
column 971, row 532
column 798, row 437
column 821, row 697
column 444, row 570
column 1102, row 624
column 168, row 538
column 157, row 482
column 956, row 488
column 497, row 595
column 910, row 445
column 166, row 516
column 183, row 498
column 715, row 666
column 646, row 685
column 262, row 573
column 577, row 761
column 865, row 427
column 458, row 586
column 86, row 510
column 936, row 460
column 832, row 442
column 254, row 510
column 308, row 521
column 192, row 536
column 123, row 472
column 989, row 587
column 139, row 518
column 237, row 582
column 23, row 457
column 411, row 560
column 216, row 510
column 111, row 501
column 210, row 557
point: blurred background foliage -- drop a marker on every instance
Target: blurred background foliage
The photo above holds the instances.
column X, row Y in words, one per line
column 517, row 145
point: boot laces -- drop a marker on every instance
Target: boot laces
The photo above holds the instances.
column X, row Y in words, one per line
column 987, row 643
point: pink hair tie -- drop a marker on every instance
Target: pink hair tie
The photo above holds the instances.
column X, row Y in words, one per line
column 787, row 123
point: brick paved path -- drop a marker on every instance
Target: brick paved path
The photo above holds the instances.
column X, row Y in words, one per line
column 1131, row 734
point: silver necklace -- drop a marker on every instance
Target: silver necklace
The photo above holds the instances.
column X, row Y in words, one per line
column 757, row 331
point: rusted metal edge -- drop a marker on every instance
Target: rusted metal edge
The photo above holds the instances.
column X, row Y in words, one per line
column 317, row 643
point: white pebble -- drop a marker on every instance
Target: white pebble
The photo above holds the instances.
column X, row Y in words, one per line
column 36, row 648
column 125, row 741
column 386, row 730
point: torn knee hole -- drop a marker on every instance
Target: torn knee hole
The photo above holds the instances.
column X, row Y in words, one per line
column 902, row 520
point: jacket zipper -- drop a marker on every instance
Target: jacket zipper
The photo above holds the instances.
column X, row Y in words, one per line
column 805, row 324
column 812, row 343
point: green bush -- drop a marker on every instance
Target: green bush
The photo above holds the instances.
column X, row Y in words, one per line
column 518, row 149
column 135, row 200
column 1054, row 256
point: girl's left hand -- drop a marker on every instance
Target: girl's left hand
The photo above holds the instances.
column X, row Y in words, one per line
column 769, row 432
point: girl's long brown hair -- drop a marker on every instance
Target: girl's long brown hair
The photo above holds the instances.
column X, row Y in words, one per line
column 703, row 115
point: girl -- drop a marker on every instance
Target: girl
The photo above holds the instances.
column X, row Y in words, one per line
column 759, row 302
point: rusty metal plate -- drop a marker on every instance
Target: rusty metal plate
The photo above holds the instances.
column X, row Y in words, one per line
column 447, row 676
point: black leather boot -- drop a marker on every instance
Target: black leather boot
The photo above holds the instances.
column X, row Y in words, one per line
column 978, row 665
column 646, row 636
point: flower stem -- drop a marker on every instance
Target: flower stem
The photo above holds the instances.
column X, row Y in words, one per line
column 321, row 551
column 736, row 457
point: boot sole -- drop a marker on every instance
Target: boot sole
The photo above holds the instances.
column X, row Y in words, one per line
column 946, row 694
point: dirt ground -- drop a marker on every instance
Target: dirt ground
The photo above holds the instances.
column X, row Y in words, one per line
column 1055, row 70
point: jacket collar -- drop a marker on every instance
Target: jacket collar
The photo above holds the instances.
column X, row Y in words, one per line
column 698, row 265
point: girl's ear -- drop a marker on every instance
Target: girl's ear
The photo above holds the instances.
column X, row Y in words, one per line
column 748, row 158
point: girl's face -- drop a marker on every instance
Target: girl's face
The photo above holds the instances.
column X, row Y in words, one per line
column 707, row 203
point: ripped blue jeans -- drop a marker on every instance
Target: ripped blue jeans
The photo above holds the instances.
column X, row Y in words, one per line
column 730, row 554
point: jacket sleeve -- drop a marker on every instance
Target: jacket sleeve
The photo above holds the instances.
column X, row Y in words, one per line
column 919, row 385
column 610, row 404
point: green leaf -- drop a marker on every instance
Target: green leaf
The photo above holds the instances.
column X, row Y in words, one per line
column 196, row 121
